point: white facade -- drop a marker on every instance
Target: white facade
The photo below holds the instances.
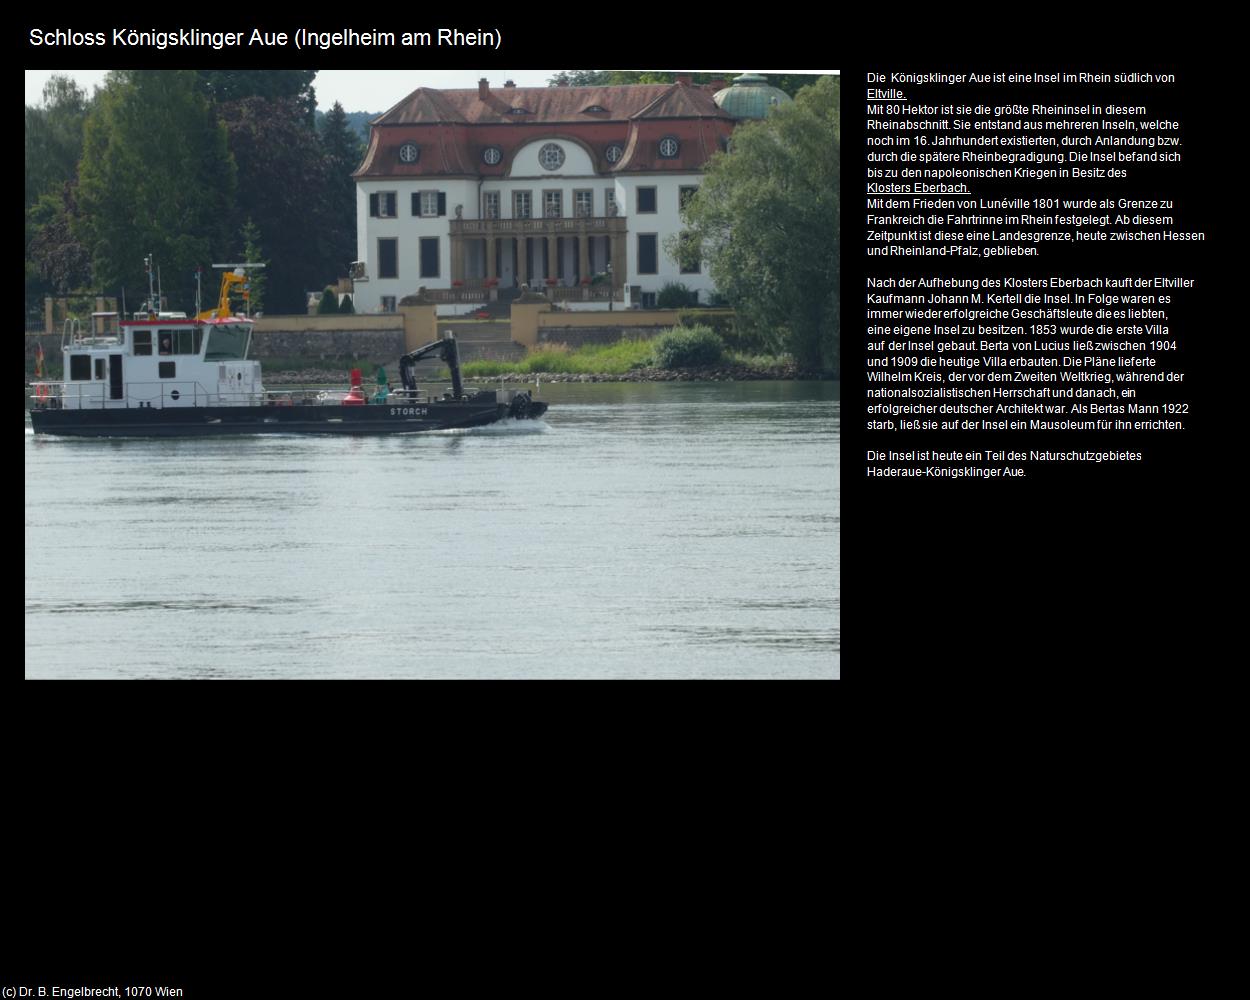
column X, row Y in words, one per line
column 545, row 189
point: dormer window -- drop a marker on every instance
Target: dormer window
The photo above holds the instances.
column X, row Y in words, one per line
column 518, row 111
column 594, row 108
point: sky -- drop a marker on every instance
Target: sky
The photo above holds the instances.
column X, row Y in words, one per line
column 355, row 89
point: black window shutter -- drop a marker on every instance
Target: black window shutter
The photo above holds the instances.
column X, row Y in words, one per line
column 442, row 203
column 373, row 206
column 416, row 203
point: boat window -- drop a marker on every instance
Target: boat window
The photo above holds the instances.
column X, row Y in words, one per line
column 142, row 342
column 227, row 343
column 180, row 341
column 189, row 341
column 79, row 367
column 167, row 369
column 100, row 371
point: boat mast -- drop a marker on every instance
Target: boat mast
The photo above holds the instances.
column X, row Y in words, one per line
column 147, row 266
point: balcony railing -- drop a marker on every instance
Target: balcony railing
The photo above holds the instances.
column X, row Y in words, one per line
column 593, row 225
column 582, row 293
column 472, row 290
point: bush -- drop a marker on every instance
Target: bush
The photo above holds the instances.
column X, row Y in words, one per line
column 674, row 295
column 736, row 335
column 695, row 347
column 346, row 307
column 329, row 303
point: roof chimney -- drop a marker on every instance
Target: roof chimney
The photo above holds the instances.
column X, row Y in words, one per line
column 509, row 83
column 483, row 89
column 684, row 79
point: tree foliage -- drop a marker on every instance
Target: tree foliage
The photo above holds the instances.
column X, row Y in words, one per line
column 222, row 86
column 766, row 219
column 55, row 261
column 343, row 151
column 254, row 254
column 193, row 167
column 282, row 189
column 54, row 133
column 579, row 78
column 62, row 264
column 156, row 177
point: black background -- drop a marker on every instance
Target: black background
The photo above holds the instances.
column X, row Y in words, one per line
column 162, row 808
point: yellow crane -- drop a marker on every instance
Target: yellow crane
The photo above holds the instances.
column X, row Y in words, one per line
column 232, row 275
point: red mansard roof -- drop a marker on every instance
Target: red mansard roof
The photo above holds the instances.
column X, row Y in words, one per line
column 453, row 127
column 552, row 104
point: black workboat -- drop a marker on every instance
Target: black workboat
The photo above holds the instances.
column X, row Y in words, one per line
column 172, row 376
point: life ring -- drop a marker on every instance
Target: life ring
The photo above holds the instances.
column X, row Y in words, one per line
column 43, row 393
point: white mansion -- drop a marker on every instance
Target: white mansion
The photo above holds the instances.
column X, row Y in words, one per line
column 573, row 187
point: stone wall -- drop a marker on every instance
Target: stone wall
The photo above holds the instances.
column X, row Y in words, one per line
column 368, row 347
column 534, row 323
column 366, row 340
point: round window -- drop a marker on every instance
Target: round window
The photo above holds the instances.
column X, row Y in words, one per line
column 551, row 156
column 409, row 152
column 669, row 147
column 492, row 155
column 613, row 153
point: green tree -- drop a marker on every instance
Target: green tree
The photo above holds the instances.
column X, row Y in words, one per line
column 55, row 260
column 767, row 217
column 579, row 78
column 54, row 132
column 62, row 263
column 156, row 177
column 222, row 86
column 282, row 188
column 329, row 303
column 254, row 254
column 343, row 151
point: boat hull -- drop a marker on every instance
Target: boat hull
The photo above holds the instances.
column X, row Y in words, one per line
column 199, row 421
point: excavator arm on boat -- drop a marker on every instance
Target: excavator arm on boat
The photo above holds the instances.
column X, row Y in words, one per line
column 447, row 350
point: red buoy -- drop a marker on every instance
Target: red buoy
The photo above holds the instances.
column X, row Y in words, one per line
column 355, row 395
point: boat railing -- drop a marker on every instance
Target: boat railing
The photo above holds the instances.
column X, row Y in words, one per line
column 97, row 395
column 73, row 335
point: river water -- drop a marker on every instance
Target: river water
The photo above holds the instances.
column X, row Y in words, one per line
column 659, row 530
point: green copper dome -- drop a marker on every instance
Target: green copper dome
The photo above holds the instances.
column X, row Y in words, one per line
column 751, row 96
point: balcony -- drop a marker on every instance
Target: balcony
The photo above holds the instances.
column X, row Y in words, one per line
column 592, row 225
